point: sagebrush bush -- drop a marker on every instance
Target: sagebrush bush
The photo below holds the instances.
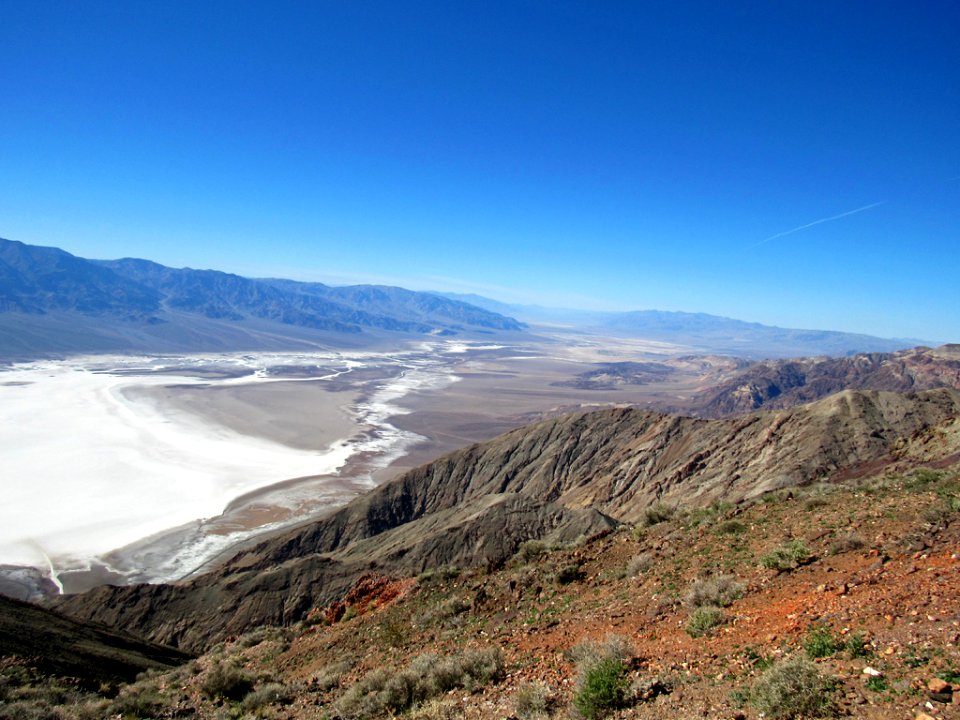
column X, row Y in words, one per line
column 533, row 701
column 658, row 513
column 703, row 620
column 639, row 564
column 227, row 682
column 139, row 700
column 328, row 677
column 427, row 676
column 793, row 688
column 718, row 591
column 269, row 694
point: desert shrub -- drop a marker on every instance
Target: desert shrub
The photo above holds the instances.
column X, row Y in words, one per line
column 703, row 620
column 639, row 564
column 442, row 709
column 569, row 573
column 718, row 591
column 534, row 701
column 531, row 550
column 139, row 700
column 328, row 677
column 922, row 477
column 269, row 694
column 848, row 543
column 427, row 676
column 28, row 710
column 227, row 682
column 264, row 634
column 731, row 527
column 857, row 645
column 602, row 681
column 793, row 688
column 601, row 688
column 658, row 513
column 789, row 556
column 821, row 643
column 438, row 575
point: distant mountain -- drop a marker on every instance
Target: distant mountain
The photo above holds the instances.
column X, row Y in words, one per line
column 701, row 332
column 54, row 302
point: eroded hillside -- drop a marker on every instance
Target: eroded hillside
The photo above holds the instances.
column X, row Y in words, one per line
column 553, row 481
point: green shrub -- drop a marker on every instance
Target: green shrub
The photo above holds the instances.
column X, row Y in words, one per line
column 718, row 591
column 820, row 643
column 601, row 688
column 531, row 550
column 857, row 645
column 787, row 557
column 793, row 688
column 703, row 620
column 877, row 684
column 731, row 527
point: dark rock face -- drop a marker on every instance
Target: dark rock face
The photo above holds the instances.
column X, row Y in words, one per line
column 569, row 476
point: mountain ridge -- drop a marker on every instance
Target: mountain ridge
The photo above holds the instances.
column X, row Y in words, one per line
column 578, row 473
column 139, row 305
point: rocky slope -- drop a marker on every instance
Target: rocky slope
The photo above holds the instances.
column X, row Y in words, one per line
column 699, row 613
column 778, row 384
column 60, row 646
column 560, row 478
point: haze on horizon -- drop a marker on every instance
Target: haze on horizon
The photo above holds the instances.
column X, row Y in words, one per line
column 789, row 163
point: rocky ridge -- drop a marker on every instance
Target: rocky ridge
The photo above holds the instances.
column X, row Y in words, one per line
column 565, row 477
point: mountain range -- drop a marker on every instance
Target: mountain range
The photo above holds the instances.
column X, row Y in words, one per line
column 700, row 332
column 54, row 303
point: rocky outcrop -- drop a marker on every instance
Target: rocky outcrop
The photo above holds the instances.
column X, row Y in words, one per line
column 778, row 384
column 557, row 479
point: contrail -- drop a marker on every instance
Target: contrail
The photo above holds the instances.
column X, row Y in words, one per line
column 818, row 222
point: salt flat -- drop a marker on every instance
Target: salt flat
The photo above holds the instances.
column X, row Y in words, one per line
column 99, row 453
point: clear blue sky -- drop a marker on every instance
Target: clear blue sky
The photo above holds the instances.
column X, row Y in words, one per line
column 605, row 155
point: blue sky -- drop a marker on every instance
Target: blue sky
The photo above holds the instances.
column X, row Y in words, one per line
column 669, row 155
